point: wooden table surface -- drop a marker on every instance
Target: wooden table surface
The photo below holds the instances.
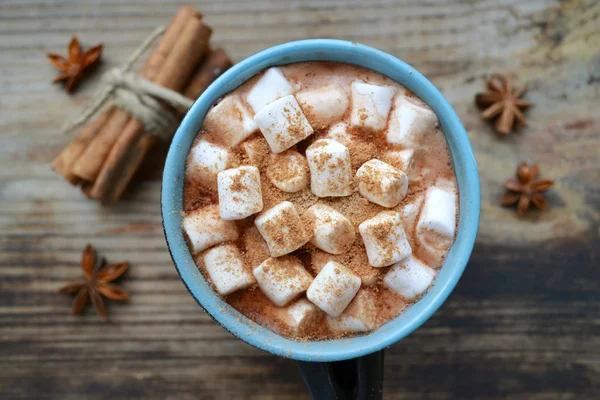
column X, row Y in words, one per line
column 524, row 321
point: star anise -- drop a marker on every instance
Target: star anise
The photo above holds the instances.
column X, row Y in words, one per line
column 96, row 284
column 503, row 102
column 526, row 189
column 77, row 63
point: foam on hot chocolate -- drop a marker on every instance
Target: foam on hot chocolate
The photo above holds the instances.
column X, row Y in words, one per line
column 320, row 199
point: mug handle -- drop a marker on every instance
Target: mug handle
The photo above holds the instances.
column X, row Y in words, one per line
column 355, row 379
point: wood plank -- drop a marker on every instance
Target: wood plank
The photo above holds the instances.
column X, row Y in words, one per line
column 523, row 322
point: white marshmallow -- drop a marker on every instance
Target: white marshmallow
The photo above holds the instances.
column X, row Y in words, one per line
column 333, row 288
column 323, row 106
column 385, row 239
column 339, row 133
column 255, row 248
column 282, row 229
column 403, row 159
column 299, row 316
column 370, row 105
column 239, row 192
column 270, row 87
column 410, row 119
column 359, row 316
column 230, row 121
column 283, row 124
column 206, row 160
column 257, row 151
column 382, row 184
column 330, row 168
column 226, row 270
column 437, row 222
column 409, row 278
column 282, row 279
column 331, row 231
column 288, row 171
column 204, row 228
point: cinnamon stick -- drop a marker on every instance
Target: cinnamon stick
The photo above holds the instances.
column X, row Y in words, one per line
column 63, row 163
column 89, row 165
column 215, row 64
column 135, row 158
column 127, row 153
column 188, row 51
column 164, row 47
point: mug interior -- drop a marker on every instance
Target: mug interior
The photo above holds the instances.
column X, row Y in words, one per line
column 464, row 165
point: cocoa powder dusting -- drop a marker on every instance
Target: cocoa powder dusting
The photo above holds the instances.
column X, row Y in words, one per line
column 196, row 196
column 272, row 196
column 355, row 207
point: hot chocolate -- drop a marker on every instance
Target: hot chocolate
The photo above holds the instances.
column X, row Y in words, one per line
column 320, row 199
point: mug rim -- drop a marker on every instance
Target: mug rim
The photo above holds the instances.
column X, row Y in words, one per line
column 466, row 174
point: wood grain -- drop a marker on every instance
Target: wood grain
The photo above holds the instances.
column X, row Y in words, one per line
column 523, row 323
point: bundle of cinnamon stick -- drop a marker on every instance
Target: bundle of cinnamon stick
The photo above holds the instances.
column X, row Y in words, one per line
column 105, row 156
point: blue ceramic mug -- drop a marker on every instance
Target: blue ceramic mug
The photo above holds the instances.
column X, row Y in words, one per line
column 320, row 362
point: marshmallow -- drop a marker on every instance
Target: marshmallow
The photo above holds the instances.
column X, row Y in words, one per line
column 333, row 289
column 323, row 106
column 437, row 222
column 331, row 231
column 370, row 105
column 239, row 192
column 255, row 248
column 270, row 87
column 283, row 124
column 288, row 171
column 410, row 119
column 409, row 278
column 330, row 168
column 230, row 121
column 204, row 228
column 339, row 133
column 299, row 316
column 282, row 279
column 206, row 160
column 385, row 239
column 226, row 270
column 256, row 151
column 282, row 229
column 359, row 316
column 382, row 184
column 403, row 159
